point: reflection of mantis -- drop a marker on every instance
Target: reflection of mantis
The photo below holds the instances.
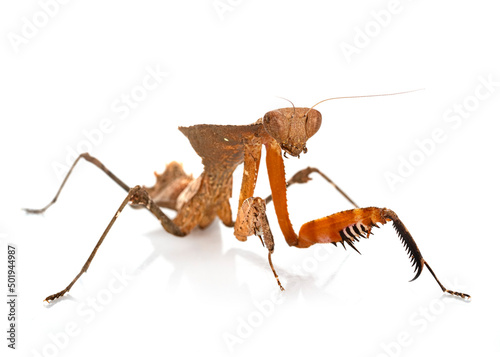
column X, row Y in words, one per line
column 222, row 148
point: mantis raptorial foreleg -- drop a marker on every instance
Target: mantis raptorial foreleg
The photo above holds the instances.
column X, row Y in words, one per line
column 348, row 226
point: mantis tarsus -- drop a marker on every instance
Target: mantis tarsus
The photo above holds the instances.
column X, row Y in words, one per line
column 222, row 148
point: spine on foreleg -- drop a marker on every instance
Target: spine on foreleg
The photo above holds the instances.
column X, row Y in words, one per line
column 348, row 226
column 342, row 226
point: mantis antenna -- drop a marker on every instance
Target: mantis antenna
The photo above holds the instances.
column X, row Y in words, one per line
column 288, row 100
column 363, row 96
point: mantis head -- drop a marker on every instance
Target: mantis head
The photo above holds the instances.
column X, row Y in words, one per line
column 292, row 127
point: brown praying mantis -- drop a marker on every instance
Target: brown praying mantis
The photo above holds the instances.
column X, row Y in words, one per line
column 224, row 147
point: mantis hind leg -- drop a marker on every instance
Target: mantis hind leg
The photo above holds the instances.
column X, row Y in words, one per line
column 166, row 222
column 90, row 159
column 138, row 196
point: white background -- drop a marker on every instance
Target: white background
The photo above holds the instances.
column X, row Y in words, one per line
column 189, row 296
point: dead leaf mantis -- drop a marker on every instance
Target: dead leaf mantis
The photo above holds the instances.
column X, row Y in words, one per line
column 224, row 147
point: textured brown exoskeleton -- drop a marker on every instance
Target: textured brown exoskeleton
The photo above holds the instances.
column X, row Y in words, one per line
column 222, row 148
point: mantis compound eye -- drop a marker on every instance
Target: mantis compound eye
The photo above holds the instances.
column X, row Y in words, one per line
column 313, row 122
column 276, row 125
